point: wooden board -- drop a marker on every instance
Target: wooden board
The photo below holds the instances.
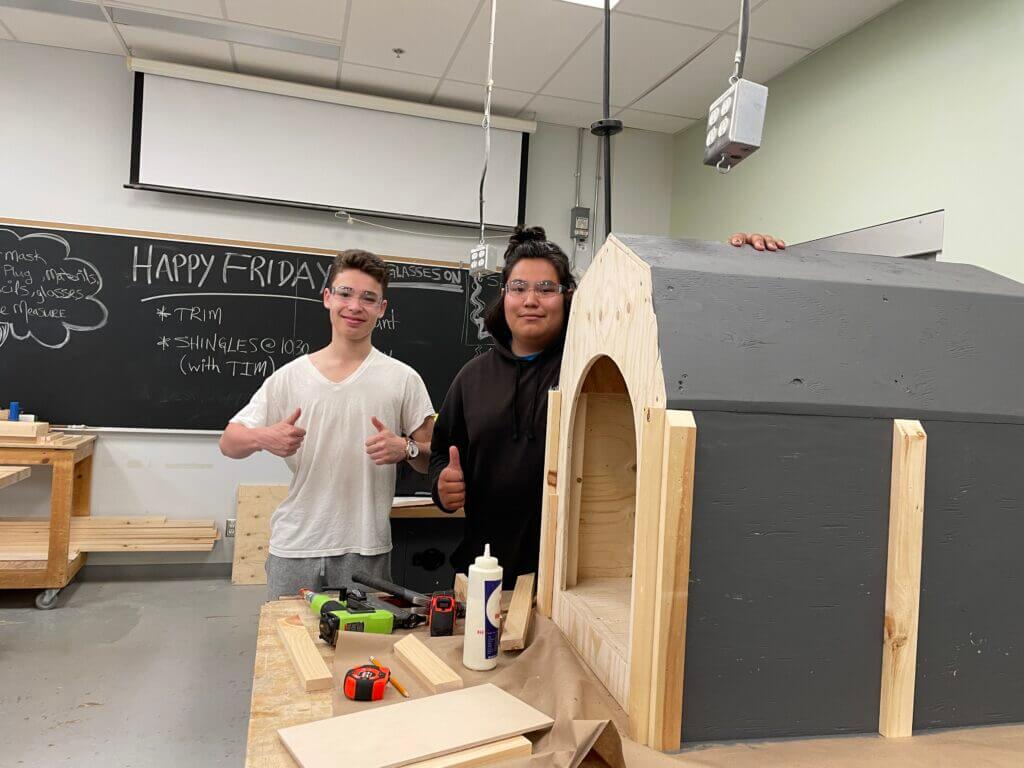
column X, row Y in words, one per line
column 401, row 734
column 516, row 627
column 549, row 506
column 486, row 754
column 903, row 579
column 310, row 668
column 461, row 587
column 31, row 429
column 426, row 665
column 667, row 661
column 255, row 506
column 607, row 504
column 12, row 475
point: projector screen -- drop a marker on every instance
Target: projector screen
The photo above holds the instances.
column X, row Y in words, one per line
column 217, row 140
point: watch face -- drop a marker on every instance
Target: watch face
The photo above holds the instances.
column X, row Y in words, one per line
column 412, row 449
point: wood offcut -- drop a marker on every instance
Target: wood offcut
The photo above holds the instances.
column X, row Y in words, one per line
column 426, row 665
column 310, row 668
column 516, row 627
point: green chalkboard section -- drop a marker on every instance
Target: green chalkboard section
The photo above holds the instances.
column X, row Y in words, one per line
column 121, row 330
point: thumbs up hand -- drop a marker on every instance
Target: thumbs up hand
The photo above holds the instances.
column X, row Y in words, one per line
column 384, row 446
column 451, row 483
column 284, row 438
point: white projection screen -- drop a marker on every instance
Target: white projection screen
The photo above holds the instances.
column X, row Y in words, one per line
column 217, row 140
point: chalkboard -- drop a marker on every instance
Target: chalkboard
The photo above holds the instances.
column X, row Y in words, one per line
column 123, row 329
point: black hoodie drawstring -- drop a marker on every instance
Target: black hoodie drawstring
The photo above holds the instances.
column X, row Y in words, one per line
column 515, row 401
column 533, row 410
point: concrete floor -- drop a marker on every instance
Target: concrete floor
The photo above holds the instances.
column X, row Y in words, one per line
column 128, row 673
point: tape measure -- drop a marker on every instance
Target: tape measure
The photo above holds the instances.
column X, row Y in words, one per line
column 366, row 683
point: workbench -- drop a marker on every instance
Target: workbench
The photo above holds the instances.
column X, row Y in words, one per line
column 276, row 700
column 70, row 493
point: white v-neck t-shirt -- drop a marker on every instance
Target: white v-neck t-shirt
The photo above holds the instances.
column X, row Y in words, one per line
column 338, row 501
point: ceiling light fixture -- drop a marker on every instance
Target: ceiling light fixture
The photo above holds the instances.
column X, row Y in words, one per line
column 592, row 3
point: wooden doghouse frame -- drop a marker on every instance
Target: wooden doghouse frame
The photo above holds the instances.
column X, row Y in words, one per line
column 615, row 542
column 615, row 561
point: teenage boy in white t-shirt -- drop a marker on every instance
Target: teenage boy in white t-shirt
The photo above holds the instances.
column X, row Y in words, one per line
column 335, row 416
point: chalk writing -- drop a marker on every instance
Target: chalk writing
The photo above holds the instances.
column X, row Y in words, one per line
column 45, row 293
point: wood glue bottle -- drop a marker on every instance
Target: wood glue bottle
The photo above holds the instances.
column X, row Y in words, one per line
column 483, row 613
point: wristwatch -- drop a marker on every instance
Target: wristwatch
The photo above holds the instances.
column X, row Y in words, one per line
column 411, row 449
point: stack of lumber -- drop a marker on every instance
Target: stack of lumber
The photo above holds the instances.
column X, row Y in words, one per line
column 30, row 433
column 28, row 538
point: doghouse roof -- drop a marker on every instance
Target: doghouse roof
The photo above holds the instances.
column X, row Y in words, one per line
column 806, row 331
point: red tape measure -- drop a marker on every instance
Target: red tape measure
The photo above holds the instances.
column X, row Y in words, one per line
column 366, row 683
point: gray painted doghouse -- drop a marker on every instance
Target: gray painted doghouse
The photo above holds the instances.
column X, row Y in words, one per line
column 742, row 534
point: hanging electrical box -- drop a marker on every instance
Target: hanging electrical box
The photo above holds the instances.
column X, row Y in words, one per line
column 735, row 124
column 579, row 229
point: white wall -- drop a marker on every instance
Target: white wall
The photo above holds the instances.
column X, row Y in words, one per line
column 918, row 110
column 65, row 141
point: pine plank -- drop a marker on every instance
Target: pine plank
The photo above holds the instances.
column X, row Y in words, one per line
column 426, row 665
column 12, row 475
column 310, row 667
column 903, row 579
column 516, row 626
column 486, row 754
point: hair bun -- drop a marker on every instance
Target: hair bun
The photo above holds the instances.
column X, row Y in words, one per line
column 527, row 235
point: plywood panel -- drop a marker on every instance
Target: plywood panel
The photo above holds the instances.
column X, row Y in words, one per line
column 607, row 505
column 255, row 506
column 408, row 732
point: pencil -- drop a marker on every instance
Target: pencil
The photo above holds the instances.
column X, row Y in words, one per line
column 398, row 686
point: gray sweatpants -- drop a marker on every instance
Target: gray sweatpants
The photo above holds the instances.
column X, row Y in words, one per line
column 287, row 575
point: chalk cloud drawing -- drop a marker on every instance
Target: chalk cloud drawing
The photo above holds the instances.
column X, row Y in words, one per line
column 45, row 292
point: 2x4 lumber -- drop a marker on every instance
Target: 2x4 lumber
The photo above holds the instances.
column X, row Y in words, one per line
column 486, row 754
column 12, row 475
column 674, row 528
column 549, row 506
column 427, row 666
column 310, row 667
column 516, row 627
column 903, row 579
column 645, row 572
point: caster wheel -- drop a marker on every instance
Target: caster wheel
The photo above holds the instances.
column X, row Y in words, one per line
column 47, row 599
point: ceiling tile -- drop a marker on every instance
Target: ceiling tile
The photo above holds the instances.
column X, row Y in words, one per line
column 654, row 121
column 323, row 18
column 387, row 82
column 643, row 51
column 691, row 90
column 550, row 109
column 471, row 96
column 714, row 14
column 209, row 8
column 179, row 49
column 532, row 39
column 283, row 65
column 61, row 31
column 812, row 23
column 427, row 30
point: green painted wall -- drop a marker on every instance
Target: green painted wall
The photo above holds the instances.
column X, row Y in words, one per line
column 921, row 109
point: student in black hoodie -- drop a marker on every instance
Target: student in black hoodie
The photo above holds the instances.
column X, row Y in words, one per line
column 487, row 453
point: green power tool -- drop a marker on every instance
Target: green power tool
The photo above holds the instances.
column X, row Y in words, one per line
column 350, row 611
